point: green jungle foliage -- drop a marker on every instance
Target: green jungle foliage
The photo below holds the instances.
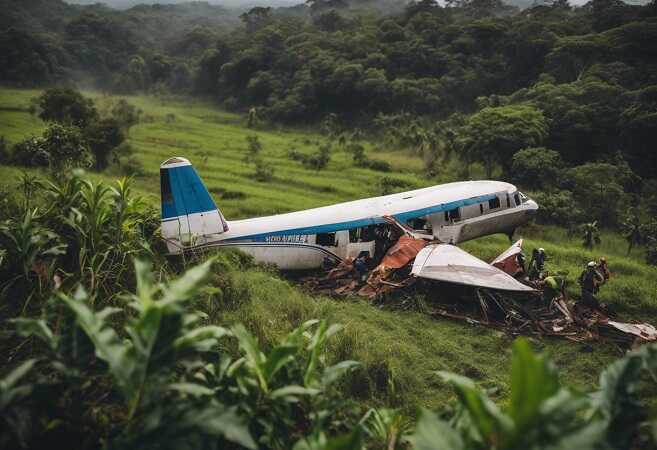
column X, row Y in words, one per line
column 106, row 343
column 113, row 346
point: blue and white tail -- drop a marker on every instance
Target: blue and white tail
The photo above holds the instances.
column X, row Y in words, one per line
column 189, row 215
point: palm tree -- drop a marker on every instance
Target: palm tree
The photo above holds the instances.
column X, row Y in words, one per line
column 632, row 231
column 590, row 234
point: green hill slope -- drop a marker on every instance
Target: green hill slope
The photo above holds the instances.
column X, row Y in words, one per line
column 400, row 349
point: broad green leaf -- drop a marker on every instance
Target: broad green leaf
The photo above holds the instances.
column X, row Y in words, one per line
column 254, row 357
column 333, row 373
column 202, row 338
column 293, row 390
column 193, row 389
column 187, row 285
column 217, row 420
column 17, row 374
column 351, row 441
column 146, row 286
column 36, row 327
column 119, row 355
column 491, row 423
column 590, row 437
column 277, row 358
column 533, row 381
column 431, row 433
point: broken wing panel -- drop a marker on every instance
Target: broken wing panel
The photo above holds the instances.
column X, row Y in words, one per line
column 508, row 261
column 443, row 262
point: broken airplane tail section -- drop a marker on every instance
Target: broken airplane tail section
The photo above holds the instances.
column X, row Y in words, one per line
column 188, row 210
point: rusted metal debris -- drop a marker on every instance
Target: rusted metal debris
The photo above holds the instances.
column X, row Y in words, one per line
column 524, row 313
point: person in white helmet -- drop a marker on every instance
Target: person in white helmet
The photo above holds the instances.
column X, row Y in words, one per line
column 589, row 281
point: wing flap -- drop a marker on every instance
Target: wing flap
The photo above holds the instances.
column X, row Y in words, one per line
column 444, row 262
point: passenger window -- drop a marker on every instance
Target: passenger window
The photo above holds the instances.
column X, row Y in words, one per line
column 481, row 208
column 508, row 201
column 355, row 234
column 494, row 203
column 325, row 239
column 455, row 214
column 417, row 224
column 517, row 199
column 446, row 216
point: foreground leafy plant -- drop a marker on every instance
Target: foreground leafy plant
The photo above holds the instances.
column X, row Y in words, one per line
column 542, row 413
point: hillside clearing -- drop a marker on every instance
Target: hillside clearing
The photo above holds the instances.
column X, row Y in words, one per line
column 400, row 350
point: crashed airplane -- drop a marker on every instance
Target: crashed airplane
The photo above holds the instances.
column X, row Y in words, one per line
column 444, row 214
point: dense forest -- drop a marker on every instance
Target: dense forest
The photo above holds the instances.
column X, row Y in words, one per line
column 560, row 99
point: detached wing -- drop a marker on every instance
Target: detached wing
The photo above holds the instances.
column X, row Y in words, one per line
column 444, row 262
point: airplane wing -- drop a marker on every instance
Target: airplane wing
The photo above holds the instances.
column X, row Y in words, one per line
column 508, row 253
column 444, row 262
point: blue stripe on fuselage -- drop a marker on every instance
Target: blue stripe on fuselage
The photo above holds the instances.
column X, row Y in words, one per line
column 348, row 225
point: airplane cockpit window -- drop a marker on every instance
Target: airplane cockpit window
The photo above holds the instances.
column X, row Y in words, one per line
column 325, row 239
column 494, row 203
column 523, row 197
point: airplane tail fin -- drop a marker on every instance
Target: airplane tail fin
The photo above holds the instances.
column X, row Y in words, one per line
column 189, row 215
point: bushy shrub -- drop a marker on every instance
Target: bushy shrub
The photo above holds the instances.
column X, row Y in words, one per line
column 319, row 159
column 601, row 190
column 67, row 106
column 390, row 185
column 30, row 153
column 253, row 148
column 103, row 136
column 126, row 114
column 60, row 148
column 263, row 171
column 537, row 168
column 559, row 208
column 132, row 166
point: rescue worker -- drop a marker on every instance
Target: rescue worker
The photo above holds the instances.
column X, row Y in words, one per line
column 361, row 266
column 552, row 287
column 603, row 269
column 537, row 264
column 520, row 260
column 589, row 281
column 541, row 258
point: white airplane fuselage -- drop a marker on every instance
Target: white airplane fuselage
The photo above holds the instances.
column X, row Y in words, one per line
column 451, row 213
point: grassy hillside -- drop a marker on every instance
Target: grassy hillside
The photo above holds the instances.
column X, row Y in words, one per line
column 400, row 350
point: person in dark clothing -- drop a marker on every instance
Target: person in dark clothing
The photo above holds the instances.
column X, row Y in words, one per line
column 361, row 266
column 537, row 263
column 540, row 259
column 589, row 281
column 521, row 260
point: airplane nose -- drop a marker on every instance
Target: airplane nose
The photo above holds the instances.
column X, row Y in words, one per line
column 531, row 207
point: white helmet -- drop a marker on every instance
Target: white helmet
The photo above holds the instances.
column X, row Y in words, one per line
column 591, row 264
column 542, row 250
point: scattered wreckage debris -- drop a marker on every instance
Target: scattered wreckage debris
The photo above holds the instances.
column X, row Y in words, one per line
column 490, row 294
